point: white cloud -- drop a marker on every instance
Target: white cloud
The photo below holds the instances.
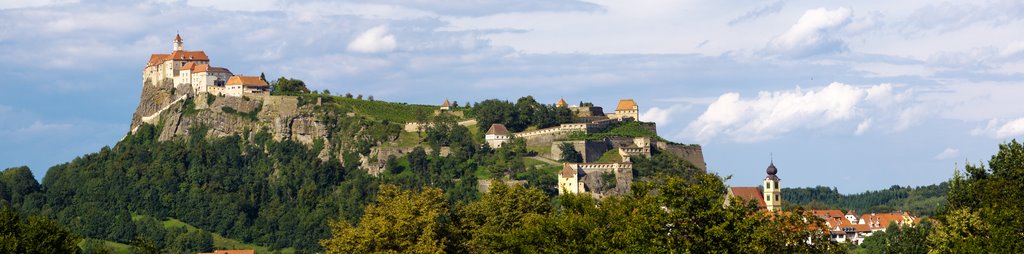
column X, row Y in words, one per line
column 775, row 113
column 13, row 4
column 238, row 5
column 863, row 127
column 662, row 116
column 999, row 129
column 375, row 40
column 814, row 33
column 769, row 9
column 949, row 153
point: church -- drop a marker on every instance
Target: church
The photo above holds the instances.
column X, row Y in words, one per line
column 768, row 196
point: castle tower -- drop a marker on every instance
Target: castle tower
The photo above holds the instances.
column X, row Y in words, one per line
column 772, row 190
column 178, row 44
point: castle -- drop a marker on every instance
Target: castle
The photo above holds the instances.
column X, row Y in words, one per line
column 193, row 69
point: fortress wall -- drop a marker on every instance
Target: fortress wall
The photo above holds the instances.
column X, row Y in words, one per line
column 544, row 139
column 590, row 150
column 691, row 153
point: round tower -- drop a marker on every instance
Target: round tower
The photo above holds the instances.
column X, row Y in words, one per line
column 772, row 190
column 178, row 44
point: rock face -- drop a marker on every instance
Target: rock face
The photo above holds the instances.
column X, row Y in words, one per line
column 177, row 111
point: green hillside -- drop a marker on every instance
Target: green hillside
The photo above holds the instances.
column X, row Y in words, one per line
column 922, row 201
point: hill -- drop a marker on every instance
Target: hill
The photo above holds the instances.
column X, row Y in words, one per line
column 922, row 200
column 269, row 172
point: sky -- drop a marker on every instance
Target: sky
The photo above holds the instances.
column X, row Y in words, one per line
column 860, row 95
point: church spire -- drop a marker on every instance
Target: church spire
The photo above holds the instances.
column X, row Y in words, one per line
column 178, row 43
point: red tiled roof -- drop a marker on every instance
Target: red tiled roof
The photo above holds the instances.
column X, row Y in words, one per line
column 561, row 103
column 828, row 214
column 247, row 81
column 446, row 103
column 749, row 193
column 188, row 56
column 208, row 68
column 188, row 66
column 626, row 104
column 883, row 219
column 157, row 59
column 569, row 170
column 497, row 129
column 230, row 252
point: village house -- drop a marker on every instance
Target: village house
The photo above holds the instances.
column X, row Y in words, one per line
column 851, row 228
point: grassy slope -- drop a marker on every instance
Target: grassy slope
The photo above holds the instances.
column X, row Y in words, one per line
column 219, row 242
column 114, row 247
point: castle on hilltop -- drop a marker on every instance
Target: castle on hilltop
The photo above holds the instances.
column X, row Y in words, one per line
column 192, row 68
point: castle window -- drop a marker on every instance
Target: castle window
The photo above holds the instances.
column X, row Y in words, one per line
column 769, row 197
column 769, row 185
column 776, row 197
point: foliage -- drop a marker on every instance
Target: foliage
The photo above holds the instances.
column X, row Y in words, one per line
column 526, row 112
column 631, row 129
column 897, row 239
column 569, row 153
column 400, row 221
column 251, row 115
column 34, row 235
column 673, row 214
column 286, row 85
column 923, row 200
column 983, row 211
column 662, row 164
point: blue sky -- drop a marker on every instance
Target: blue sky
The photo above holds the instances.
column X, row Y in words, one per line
column 859, row 95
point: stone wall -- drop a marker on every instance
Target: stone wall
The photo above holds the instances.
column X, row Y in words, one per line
column 590, row 150
column 691, row 153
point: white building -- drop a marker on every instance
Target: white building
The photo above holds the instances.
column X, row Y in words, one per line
column 238, row 86
column 497, row 135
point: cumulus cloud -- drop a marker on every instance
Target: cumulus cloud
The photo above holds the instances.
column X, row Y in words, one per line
column 769, row 9
column 816, row 32
column 375, row 40
column 949, row 153
column 775, row 113
column 1000, row 129
column 662, row 116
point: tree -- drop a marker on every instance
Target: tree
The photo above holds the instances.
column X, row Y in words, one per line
column 34, row 235
column 369, row 98
column 982, row 215
column 287, row 85
column 490, row 224
column 327, row 92
column 193, row 241
column 569, row 153
column 400, row 221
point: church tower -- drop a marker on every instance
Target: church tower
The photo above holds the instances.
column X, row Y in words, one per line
column 178, row 43
column 772, row 190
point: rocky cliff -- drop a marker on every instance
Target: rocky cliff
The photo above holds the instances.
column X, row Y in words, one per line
column 177, row 111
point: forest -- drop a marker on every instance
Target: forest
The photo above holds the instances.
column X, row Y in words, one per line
column 922, row 200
